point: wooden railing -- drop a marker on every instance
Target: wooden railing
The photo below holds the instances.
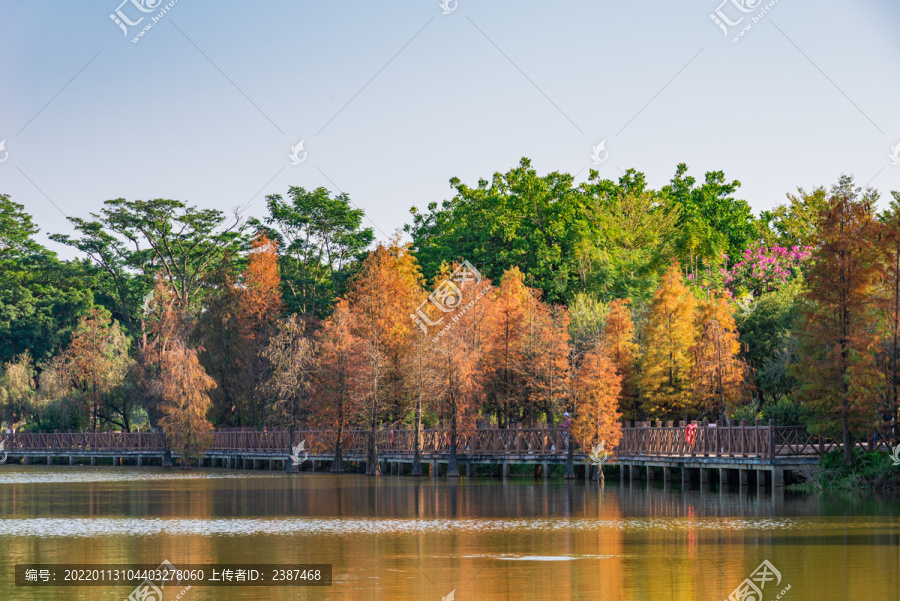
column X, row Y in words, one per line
column 706, row 441
column 83, row 442
column 639, row 440
column 489, row 441
column 717, row 440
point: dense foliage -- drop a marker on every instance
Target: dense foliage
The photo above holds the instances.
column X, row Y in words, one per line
column 518, row 300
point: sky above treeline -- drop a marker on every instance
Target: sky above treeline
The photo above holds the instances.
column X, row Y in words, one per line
column 392, row 99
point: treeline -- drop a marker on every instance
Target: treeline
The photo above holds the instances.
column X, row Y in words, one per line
column 526, row 299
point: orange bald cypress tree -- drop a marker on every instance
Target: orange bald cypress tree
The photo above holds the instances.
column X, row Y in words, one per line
column 384, row 293
column 258, row 318
column 242, row 314
column 544, row 361
column 504, row 333
column 554, row 365
column 837, row 367
column 595, row 388
column 261, row 299
column 174, row 377
column 182, row 389
column 890, row 303
column 668, row 340
column 719, row 375
column 422, row 383
column 617, row 342
column 337, row 377
column 460, row 346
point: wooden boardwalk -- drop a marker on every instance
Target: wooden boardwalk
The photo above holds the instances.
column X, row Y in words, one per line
column 737, row 452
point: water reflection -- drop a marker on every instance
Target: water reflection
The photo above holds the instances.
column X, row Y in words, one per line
column 404, row 538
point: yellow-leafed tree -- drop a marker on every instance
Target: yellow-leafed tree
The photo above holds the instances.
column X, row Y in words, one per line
column 719, row 375
column 668, row 340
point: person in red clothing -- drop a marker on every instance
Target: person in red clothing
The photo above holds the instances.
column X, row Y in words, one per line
column 567, row 421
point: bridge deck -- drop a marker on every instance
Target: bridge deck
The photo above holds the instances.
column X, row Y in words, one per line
column 712, row 446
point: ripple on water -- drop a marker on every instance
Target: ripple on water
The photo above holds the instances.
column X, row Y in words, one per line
column 81, row 475
column 508, row 557
column 89, row 527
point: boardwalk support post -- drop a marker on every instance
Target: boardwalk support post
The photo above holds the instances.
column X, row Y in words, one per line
column 777, row 477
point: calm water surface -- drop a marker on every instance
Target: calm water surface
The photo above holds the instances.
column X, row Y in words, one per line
column 401, row 538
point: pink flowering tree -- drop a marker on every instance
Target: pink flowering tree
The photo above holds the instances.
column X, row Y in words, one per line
column 764, row 268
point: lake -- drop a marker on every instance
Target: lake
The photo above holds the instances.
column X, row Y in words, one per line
column 403, row 538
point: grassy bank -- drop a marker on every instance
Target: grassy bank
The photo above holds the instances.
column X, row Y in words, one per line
column 866, row 472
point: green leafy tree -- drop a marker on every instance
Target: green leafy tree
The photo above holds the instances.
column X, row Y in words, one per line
column 41, row 298
column 133, row 241
column 767, row 325
column 518, row 219
column 711, row 220
column 797, row 222
column 322, row 240
column 633, row 232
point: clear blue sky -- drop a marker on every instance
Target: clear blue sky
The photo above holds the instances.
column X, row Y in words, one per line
column 395, row 98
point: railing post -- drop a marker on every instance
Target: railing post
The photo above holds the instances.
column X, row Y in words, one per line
column 706, row 436
column 772, row 439
column 760, row 429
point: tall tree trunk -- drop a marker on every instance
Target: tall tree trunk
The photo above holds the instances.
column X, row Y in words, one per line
column 452, row 467
column 373, row 468
column 570, row 459
column 337, row 466
column 417, row 442
column 896, row 328
column 845, row 409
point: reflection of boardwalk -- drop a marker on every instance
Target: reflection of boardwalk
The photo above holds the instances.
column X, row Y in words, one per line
column 735, row 451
